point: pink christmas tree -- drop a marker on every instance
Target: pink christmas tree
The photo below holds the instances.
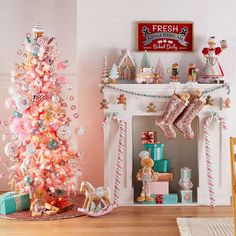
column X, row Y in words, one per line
column 159, row 72
column 40, row 127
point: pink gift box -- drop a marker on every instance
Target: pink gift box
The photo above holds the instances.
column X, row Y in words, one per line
column 159, row 187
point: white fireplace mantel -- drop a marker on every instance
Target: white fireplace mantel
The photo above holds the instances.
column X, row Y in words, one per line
column 136, row 105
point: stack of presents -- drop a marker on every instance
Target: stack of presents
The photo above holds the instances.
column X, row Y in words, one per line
column 160, row 185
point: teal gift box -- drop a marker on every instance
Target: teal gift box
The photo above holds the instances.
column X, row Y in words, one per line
column 156, row 150
column 11, row 202
column 170, row 198
column 162, row 166
column 186, row 196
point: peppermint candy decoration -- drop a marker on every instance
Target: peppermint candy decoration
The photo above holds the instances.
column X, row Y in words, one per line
column 41, row 41
column 22, row 103
column 64, row 132
column 40, row 96
column 11, row 149
column 76, row 115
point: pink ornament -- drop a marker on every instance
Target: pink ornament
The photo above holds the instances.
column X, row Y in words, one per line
column 76, row 115
column 41, row 41
column 73, row 107
column 21, row 127
column 71, row 98
column 46, row 49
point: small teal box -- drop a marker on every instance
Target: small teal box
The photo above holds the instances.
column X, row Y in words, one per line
column 186, row 196
column 170, row 198
column 11, row 202
column 156, row 150
column 162, row 166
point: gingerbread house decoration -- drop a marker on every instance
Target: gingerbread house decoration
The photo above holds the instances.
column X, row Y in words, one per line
column 126, row 65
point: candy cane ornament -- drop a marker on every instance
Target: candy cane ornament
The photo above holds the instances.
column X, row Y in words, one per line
column 208, row 158
column 119, row 166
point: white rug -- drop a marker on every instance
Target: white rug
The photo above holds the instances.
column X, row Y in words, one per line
column 206, row 226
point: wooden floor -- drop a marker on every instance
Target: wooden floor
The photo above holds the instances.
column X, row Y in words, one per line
column 135, row 221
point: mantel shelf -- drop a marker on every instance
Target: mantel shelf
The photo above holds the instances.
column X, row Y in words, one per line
column 170, row 87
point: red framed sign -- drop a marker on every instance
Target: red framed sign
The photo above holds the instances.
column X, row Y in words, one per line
column 165, row 36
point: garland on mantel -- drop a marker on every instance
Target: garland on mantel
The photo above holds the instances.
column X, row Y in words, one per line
column 204, row 92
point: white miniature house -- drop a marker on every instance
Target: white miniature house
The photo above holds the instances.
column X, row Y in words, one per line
column 181, row 152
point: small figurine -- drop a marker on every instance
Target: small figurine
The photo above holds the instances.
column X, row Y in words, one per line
column 212, row 71
column 121, row 99
column 192, row 73
column 151, row 107
column 209, row 101
column 175, row 72
column 104, row 104
column 227, row 103
column 157, row 79
column 100, row 194
column 37, row 206
column 145, row 174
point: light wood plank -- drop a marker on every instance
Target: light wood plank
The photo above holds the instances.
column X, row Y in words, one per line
column 131, row 221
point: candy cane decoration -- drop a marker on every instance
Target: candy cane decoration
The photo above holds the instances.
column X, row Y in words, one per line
column 208, row 158
column 119, row 166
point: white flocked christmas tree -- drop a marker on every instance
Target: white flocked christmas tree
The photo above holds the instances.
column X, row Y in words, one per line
column 114, row 73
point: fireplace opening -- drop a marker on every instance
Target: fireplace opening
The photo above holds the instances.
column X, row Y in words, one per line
column 180, row 152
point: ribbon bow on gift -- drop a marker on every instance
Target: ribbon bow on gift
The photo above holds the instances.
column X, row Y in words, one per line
column 159, row 199
column 7, row 195
column 17, row 199
column 148, row 137
column 59, row 202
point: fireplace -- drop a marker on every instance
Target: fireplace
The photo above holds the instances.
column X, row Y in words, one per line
column 181, row 152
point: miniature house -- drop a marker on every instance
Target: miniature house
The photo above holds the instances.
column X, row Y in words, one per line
column 126, row 65
column 181, row 152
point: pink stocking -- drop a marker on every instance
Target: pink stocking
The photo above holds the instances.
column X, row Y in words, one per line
column 174, row 108
column 183, row 123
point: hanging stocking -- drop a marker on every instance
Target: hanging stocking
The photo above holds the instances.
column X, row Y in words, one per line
column 183, row 122
column 175, row 106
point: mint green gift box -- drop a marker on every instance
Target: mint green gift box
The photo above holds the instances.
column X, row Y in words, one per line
column 171, row 198
column 162, row 166
column 11, row 202
column 156, row 150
